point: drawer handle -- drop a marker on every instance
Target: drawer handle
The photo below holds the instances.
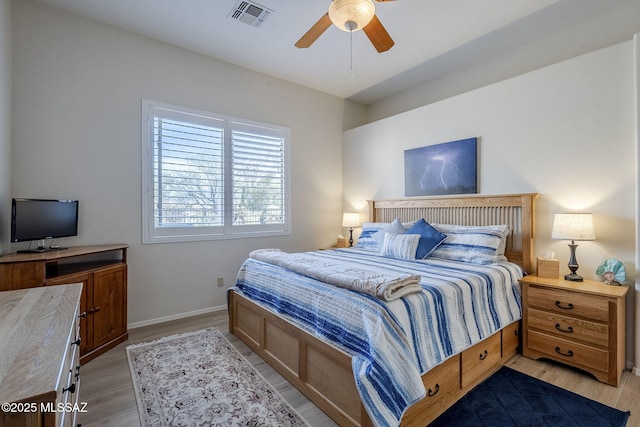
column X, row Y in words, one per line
column 71, row 388
column 77, row 342
column 516, row 332
column 569, row 306
column 484, row 355
column 568, row 353
column 432, row 393
column 568, row 330
column 83, row 315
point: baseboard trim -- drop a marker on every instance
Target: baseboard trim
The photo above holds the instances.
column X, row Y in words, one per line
column 178, row 316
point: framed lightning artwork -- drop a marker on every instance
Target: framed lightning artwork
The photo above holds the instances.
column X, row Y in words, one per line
column 447, row 168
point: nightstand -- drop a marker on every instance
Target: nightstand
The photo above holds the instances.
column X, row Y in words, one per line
column 581, row 324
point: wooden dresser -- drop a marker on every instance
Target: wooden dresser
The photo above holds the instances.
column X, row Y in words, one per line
column 581, row 324
column 39, row 356
column 102, row 269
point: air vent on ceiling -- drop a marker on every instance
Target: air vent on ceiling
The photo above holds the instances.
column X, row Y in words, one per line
column 250, row 13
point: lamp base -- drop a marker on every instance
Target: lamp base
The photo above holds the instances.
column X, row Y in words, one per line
column 573, row 265
column 573, row 277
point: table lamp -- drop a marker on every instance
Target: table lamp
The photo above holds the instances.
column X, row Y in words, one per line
column 351, row 219
column 573, row 226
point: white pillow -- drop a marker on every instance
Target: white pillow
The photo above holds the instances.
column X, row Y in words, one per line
column 402, row 246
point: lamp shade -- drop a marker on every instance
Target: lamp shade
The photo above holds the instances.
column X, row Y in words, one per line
column 573, row 226
column 351, row 219
column 351, row 15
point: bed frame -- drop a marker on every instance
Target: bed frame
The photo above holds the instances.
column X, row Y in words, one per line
column 323, row 372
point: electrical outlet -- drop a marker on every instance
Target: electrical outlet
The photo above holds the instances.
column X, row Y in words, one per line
column 220, row 282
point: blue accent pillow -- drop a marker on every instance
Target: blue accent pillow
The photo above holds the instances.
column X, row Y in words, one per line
column 430, row 238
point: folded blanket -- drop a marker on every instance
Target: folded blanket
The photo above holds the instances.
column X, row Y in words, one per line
column 387, row 287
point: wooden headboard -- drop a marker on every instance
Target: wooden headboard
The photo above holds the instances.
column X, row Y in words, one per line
column 515, row 210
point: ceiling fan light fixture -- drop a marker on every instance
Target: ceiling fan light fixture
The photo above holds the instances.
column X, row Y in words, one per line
column 351, row 15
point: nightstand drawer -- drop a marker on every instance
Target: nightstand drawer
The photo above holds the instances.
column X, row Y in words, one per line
column 570, row 303
column 569, row 351
column 569, row 327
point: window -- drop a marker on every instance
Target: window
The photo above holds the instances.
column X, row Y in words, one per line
column 207, row 176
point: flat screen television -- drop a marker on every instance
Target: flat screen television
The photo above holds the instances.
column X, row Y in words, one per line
column 40, row 219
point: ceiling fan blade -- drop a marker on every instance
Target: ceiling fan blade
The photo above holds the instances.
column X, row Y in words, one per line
column 381, row 1
column 314, row 32
column 378, row 35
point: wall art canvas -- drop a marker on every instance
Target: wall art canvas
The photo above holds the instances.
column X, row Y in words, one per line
column 448, row 168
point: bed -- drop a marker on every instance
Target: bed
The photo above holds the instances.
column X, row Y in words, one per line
column 305, row 352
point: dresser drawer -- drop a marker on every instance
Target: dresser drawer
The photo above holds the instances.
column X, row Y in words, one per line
column 511, row 339
column 479, row 359
column 68, row 389
column 568, row 351
column 569, row 327
column 443, row 386
column 569, row 303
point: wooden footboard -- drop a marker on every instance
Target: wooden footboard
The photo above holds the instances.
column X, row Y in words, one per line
column 320, row 371
column 323, row 373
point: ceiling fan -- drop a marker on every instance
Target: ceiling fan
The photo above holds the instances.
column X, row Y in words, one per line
column 351, row 15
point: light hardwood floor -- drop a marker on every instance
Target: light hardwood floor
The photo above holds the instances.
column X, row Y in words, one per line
column 107, row 389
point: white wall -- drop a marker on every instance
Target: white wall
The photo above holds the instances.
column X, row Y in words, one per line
column 78, row 87
column 636, row 45
column 565, row 131
column 597, row 26
column 5, row 122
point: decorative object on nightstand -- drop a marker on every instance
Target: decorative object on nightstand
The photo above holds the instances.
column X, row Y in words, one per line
column 612, row 272
column 341, row 242
column 351, row 219
column 573, row 226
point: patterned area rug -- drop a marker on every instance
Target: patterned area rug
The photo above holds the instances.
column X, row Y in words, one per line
column 511, row 398
column 200, row 379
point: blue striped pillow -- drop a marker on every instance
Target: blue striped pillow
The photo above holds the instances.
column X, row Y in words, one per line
column 366, row 239
column 372, row 235
column 473, row 244
column 401, row 246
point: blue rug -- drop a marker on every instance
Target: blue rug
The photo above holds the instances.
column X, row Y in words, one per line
column 511, row 398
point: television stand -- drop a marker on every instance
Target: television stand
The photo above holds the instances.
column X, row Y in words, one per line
column 102, row 270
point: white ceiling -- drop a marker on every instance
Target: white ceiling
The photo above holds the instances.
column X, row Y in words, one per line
column 430, row 36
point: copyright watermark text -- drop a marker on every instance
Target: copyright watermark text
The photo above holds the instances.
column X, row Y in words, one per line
column 27, row 407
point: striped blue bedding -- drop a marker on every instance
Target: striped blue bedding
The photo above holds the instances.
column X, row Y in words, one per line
column 392, row 343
